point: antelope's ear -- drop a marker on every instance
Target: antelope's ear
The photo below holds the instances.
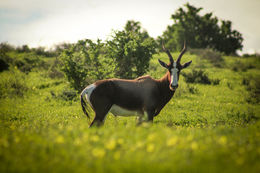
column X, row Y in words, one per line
column 163, row 64
column 187, row 64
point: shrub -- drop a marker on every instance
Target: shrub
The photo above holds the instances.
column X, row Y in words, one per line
column 54, row 71
column 13, row 84
column 84, row 62
column 199, row 76
column 3, row 62
column 131, row 50
column 240, row 66
column 196, row 76
column 3, row 65
column 215, row 58
column 5, row 47
column 68, row 95
column 192, row 89
column 42, row 52
column 4, row 58
column 24, row 48
column 253, row 87
column 28, row 62
column 65, row 94
column 215, row 81
column 59, row 48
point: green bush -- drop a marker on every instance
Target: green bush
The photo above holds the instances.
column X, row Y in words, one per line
column 240, row 66
column 5, row 47
column 199, row 76
column 3, row 64
column 13, row 84
column 215, row 58
column 54, row 71
column 253, row 87
column 4, row 58
column 127, row 55
column 85, row 62
column 28, row 62
column 131, row 50
column 196, row 76
column 65, row 94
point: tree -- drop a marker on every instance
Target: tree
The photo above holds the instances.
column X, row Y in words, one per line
column 131, row 50
column 201, row 31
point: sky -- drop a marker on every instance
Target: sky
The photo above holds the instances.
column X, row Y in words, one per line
column 49, row 22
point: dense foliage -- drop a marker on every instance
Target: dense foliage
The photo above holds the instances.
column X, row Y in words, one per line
column 126, row 55
column 201, row 31
column 132, row 50
column 85, row 62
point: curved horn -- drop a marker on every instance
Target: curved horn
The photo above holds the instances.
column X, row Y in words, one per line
column 182, row 52
column 168, row 53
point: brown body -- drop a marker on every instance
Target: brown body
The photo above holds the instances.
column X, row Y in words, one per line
column 143, row 96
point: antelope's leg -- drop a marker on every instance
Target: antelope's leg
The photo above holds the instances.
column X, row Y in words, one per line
column 150, row 115
column 140, row 118
column 101, row 115
column 96, row 122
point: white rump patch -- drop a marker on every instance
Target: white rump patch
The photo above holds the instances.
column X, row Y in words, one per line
column 174, row 75
column 87, row 92
column 119, row 111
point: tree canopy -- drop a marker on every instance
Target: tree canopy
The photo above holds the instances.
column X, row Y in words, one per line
column 201, row 31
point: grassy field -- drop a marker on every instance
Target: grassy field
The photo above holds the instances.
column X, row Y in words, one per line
column 204, row 128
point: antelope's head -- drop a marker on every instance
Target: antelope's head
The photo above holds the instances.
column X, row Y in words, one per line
column 174, row 67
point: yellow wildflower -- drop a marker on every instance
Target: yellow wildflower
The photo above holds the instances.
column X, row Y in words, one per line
column 151, row 137
column 172, row 141
column 222, row 140
column 98, row 152
column 60, row 139
column 150, row 148
column 111, row 144
column 139, row 144
column 120, row 141
column 194, row 145
column 94, row 138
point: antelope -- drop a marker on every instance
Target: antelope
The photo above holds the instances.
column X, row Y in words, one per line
column 143, row 97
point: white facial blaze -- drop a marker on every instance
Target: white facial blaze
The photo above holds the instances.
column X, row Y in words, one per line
column 174, row 75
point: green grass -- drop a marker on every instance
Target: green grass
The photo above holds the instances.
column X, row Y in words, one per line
column 214, row 129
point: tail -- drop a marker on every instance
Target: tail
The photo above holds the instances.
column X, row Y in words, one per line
column 83, row 104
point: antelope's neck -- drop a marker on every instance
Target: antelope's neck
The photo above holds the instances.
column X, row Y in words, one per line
column 164, row 85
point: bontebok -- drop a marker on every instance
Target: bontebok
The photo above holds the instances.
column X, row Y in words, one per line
column 144, row 97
